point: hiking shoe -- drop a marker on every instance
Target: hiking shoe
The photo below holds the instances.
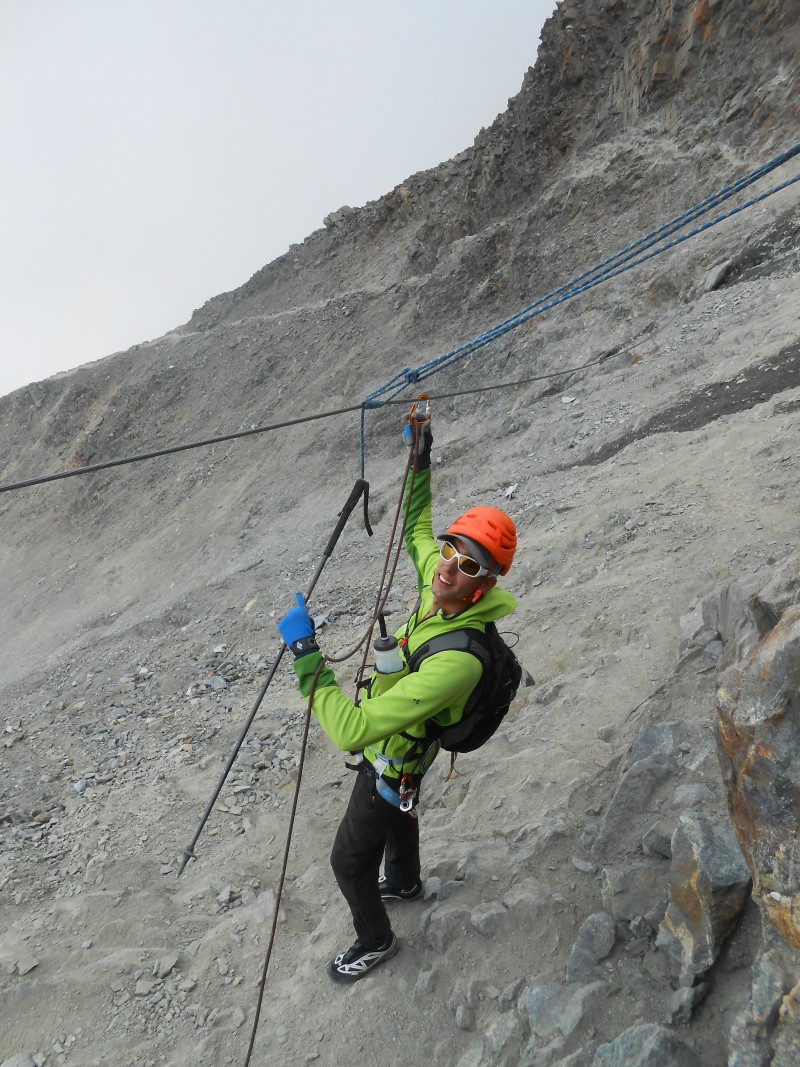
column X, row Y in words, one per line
column 390, row 892
column 357, row 961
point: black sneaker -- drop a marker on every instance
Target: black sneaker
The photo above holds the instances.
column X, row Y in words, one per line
column 357, row 961
column 389, row 892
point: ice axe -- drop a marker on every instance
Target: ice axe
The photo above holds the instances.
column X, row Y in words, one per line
column 360, row 487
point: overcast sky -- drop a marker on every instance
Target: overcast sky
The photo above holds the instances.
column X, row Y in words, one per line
column 158, row 152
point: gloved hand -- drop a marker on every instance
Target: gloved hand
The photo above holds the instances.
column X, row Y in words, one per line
column 297, row 629
column 425, row 442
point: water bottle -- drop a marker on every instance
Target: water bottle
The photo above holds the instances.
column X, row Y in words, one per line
column 388, row 657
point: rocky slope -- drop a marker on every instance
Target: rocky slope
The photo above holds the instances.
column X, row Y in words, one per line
column 140, row 601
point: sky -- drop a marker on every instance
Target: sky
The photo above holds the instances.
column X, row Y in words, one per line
column 156, row 153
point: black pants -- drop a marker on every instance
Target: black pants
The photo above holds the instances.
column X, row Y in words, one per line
column 371, row 826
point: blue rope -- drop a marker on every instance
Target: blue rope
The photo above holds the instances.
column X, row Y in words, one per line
column 630, row 256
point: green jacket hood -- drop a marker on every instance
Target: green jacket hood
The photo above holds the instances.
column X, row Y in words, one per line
column 494, row 605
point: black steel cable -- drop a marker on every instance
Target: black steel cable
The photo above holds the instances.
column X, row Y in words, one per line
column 236, row 435
column 175, row 448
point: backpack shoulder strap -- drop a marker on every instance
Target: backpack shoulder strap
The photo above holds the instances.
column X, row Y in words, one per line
column 467, row 639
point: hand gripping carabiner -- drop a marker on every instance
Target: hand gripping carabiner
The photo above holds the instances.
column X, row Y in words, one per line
column 417, row 414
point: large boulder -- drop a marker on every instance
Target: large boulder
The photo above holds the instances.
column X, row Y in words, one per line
column 646, row 1045
column 708, row 886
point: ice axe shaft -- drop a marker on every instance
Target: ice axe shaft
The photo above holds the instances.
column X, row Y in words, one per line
column 360, row 487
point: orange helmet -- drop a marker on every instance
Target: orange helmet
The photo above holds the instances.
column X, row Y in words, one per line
column 490, row 528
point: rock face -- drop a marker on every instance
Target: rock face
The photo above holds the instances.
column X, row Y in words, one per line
column 758, row 724
column 758, row 712
column 581, row 878
column 766, row 1031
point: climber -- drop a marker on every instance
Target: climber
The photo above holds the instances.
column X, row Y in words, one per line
column 457, row 584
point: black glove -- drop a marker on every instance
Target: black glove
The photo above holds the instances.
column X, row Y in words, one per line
column 425, row 441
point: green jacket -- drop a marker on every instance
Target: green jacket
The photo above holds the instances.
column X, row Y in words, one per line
column 404, row 701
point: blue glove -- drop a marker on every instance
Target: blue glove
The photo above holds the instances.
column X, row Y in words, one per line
column 297, row 629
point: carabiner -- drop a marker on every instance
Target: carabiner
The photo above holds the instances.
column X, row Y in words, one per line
column 407, row 793
column 413, row 416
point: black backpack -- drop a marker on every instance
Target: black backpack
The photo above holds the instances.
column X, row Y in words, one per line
column 490, row 699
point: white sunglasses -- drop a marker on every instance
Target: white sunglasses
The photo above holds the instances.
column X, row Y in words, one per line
column 466, row 564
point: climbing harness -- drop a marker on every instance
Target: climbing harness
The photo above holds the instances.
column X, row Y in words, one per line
column 403, row 790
